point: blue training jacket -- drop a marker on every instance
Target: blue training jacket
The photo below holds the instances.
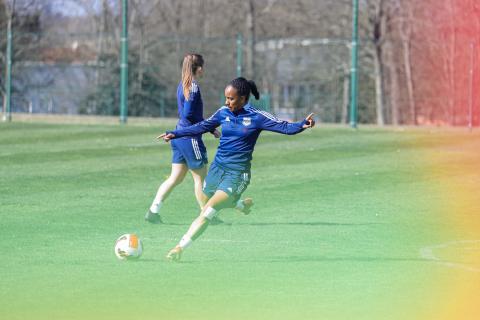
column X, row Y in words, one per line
column 190, row 111
column 240, row 131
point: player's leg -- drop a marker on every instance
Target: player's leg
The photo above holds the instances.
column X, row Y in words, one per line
column 198, row 179
column 200, row 224
column 195, row 154
column 241, row 183
column 196, row 157
column 229, row 186
column 177, row 175
column 179, row 170
column 198, row 176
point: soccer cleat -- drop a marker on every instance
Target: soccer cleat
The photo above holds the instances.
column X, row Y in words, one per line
column 216, row 221
column 153, row 217
column 247, row 205
column 175, row 254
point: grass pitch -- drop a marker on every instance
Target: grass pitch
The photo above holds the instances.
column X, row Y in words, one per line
column 346, row 225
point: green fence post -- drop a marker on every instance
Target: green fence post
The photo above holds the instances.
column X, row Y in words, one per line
column 353, row 71
column 7, row 114
column 239, row 54
column 124, row 65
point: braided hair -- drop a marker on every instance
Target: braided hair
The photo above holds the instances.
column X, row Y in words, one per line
column 244, row 87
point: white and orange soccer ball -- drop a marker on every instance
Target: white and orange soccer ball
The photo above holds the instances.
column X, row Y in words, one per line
column 128, row 247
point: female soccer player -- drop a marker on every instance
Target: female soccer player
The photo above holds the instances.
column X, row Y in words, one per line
column 229, row 174
column 189, row 152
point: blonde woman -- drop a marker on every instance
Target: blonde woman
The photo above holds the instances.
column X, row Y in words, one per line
column 189, row 152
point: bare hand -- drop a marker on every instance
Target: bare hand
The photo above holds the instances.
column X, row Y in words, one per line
column 310, row 121
column 166, row 136
column 216, row 133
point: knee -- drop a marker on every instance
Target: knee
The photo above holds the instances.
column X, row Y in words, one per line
column 175, row 180
column 208, row 213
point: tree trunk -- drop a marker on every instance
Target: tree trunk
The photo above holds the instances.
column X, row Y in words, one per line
column 379, row 92
column 378, row 20
column 409, row 79
column 450, row 56
column 394, row 85
column 406, row 36
column 101, row 31
column 250, row 24
column 10, row 12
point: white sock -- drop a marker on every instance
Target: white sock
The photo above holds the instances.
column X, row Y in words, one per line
column 156, row 205
column 209, row 213
column 240, row 206
column 185, row 242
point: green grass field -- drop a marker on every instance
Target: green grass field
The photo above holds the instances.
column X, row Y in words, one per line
column 339, row 224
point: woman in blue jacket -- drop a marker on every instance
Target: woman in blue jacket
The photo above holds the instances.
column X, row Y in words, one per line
column 188, row 152
column 229, row 174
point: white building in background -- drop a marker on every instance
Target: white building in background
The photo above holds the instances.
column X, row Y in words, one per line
column 305, row 75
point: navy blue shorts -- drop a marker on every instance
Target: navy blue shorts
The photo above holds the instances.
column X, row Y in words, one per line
column 190, row 151
column 229, row 181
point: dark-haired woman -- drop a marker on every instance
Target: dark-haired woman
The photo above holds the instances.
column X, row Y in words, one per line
column 188, row 152
column 229, row 174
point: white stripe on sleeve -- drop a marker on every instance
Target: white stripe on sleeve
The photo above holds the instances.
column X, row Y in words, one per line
column 267, row 115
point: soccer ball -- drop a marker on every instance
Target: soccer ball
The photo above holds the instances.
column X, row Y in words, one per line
column 128, row 247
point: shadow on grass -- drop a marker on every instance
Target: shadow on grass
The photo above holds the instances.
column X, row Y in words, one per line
column 188, row 224
column 337, row 259
column 260, row 224
column 300, row 259
column 307, row 224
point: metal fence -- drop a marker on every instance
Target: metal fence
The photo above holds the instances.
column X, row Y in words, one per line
column 80, row 74
column 57, row 71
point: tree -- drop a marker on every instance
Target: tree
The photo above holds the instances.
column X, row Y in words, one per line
column 250, row 27
column 23, row 19
column 406, row 30
column 379, row 17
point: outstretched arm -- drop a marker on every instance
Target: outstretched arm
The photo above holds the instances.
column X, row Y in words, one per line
column 271, row 123
column 199, row 128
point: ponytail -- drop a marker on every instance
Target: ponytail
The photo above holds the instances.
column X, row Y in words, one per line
column 244, row 87
column 253, row 89
column 191, row 62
